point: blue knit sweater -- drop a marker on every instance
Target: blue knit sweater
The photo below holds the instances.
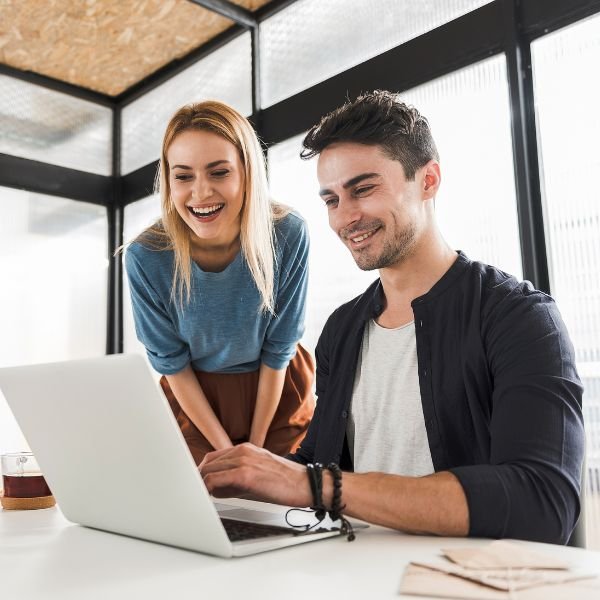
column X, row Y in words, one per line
column 222, row 329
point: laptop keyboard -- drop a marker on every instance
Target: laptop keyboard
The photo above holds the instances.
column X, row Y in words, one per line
column 239, row 531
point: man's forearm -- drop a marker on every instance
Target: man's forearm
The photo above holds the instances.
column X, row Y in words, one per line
column 434, row 504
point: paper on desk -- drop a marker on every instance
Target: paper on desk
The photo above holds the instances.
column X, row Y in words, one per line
column 502, row 554
column 507, row 579
column 420, row 581
column 500, row 570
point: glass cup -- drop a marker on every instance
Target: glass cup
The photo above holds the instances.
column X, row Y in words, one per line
column 22, row 477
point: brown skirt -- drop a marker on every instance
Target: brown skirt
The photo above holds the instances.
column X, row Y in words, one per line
column 232, row 396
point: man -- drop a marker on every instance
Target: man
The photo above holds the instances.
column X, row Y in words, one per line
column 448, row 387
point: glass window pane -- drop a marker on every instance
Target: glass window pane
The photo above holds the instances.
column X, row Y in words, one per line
column 225, row 74
column 48, row 126
column 54, row 257
column 138, row 216
column 469, row 115
column 312, row 40
column 334, row 277
column 568, row 131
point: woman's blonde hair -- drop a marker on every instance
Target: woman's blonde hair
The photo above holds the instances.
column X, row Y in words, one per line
column 258, row 212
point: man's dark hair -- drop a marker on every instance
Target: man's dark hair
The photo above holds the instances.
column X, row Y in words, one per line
column 377, row 118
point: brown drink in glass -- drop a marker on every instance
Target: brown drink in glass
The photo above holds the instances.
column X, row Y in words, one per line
column 22, row 477
column 28, row 485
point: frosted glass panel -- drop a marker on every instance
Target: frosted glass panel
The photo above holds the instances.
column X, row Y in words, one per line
column 54, row 264
column 138, row 216
column 469, row 115
column 225, row 74
column 334, row 277
column 567, row 103
column 312, row 40
column 44, row 125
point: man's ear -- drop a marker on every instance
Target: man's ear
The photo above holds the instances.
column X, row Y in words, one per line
column 431, row 178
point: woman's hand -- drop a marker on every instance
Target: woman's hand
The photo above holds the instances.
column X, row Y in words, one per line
column 246, row 469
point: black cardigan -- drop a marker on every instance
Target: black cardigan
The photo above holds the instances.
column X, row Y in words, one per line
column 500, row 392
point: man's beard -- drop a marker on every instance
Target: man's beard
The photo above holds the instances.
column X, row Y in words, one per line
column 395, row 251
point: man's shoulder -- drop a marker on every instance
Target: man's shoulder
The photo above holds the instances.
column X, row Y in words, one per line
column 503, row 294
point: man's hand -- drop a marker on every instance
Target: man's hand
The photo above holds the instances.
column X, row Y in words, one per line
column 246, row 469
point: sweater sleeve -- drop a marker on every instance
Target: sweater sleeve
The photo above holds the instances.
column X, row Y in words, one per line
column 530, row 488
column 167, row 353
column 287, row 325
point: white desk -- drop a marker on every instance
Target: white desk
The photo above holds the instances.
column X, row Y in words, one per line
column 44, row 557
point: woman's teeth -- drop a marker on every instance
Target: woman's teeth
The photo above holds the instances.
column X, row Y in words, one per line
column 206, row 211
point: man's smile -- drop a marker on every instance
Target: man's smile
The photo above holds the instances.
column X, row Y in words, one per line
column 360, row 239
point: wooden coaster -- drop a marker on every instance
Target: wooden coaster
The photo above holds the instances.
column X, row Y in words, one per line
column 26, row 503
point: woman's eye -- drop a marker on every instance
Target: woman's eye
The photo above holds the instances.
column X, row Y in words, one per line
column 220, row 173
column 182, row 177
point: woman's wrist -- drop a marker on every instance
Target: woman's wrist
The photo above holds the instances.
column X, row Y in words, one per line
column 257, row 438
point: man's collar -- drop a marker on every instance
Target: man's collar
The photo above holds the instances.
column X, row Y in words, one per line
column 376, row 295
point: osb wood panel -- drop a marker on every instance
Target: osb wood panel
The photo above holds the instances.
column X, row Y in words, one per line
column 104, row 45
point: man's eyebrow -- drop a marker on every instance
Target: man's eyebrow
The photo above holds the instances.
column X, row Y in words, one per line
column 210, row 165
column 350, row 182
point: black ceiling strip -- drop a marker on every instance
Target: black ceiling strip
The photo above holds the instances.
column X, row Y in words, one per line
column 472, row 37
column 43, row 178
column 539, row 17
column 57, row 85
column 139, row 183
column 177, row 66
column 238, row 14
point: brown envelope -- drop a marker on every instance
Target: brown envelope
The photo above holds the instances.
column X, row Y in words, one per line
column 503, row 569
column 503, row 554
column 420, row 581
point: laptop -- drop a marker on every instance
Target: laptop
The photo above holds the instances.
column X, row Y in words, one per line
column 113, row 455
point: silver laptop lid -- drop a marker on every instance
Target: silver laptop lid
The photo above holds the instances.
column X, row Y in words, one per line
column 112, row 452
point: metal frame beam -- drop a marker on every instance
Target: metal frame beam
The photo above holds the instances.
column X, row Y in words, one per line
column 525, row 150
column 229, row 10
column 539, row 17
column 43, row 178
column 58, row 86
column 114, row 331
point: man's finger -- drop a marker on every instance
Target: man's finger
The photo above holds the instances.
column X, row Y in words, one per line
column 222, row 481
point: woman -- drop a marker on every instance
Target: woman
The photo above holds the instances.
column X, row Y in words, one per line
column 218, row 287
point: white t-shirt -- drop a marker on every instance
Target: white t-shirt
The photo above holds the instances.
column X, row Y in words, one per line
column 386, row 427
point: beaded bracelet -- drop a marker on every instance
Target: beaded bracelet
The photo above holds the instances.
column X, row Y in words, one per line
column 336, row 502
column 315, row 478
